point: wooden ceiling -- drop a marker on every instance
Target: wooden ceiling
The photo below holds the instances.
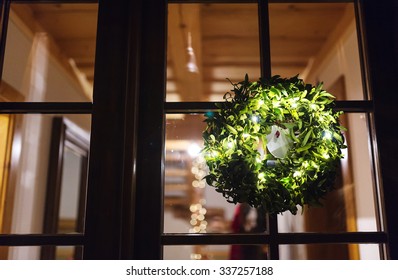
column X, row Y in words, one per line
column 73, row 27
column 224, row 40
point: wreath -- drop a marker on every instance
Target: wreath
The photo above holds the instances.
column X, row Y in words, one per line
column 274, row 144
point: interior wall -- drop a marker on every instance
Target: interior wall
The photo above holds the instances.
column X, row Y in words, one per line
column 32, row 69
column 343, row 60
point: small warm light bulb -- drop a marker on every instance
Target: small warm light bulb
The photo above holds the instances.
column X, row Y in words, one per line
column 212, row 154
column 297, row 173
column 327, row 135
column 194, row 150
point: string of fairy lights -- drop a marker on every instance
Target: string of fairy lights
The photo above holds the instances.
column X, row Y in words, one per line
column 198, row 210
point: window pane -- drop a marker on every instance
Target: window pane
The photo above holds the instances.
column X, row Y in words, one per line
column 330, row 252
column 208, row 44
column 50, row 52
column 319, row 42
column 215, row 252
column 44, row 169
column 34, row 252
column 351, row 206
column 190, row 206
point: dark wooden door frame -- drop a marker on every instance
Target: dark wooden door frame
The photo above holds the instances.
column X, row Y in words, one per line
column 127, row 132
column 380, row 30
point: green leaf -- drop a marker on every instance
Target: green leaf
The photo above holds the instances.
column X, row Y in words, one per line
column 300, row 124
column 235, row 169
column 289, row 125
column 231, row 129
column 327, row 94
column 294, row 114
column 338, row 137
column 304, row 148
column 295, row 139
column 307, row 136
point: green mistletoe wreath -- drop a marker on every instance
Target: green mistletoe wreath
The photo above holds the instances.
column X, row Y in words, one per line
column 274, row 144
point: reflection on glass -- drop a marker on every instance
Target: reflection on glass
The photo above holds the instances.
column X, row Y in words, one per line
column 351, row 206
column 70, row 192
column 33, row 252
column 190, row 205
column 50, row 51
column 318, row 41
column 208, row 44
column 69, row 252
column 329, row 252
column 26, row 172
column 215, row 252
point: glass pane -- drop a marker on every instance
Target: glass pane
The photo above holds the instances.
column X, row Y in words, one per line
column 351, row 206
column 190, row 205
column 319, row 42
column 208, row 44
column 215, row 252
column 35, row 252
column 50, row 51
column 72, row 170
column 69, row 253
column 330, row 252
column 44, row 169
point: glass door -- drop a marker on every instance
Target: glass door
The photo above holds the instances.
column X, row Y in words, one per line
column 159, row 67
column 212, row 45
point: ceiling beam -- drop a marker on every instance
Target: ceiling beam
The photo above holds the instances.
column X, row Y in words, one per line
column 185, row 20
